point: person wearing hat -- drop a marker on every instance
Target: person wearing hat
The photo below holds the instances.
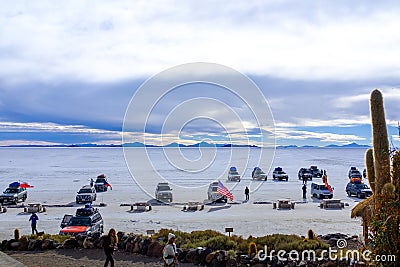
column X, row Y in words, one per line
column 169, row 252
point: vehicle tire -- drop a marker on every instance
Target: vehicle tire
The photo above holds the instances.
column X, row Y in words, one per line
column 330, row 196
column 314, row 195
column 358, row 195
column 95, row 198
column 320, row 196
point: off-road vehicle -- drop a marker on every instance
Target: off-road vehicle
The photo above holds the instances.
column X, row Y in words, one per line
column 213, row 195
column 86, row 221
column 279, row 174
column 163, row 192
column 13, row 194
column 86, row 194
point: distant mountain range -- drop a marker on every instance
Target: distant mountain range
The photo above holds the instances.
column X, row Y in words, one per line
column 201, row 144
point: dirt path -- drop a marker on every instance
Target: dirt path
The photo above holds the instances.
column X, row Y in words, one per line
column 81, row 257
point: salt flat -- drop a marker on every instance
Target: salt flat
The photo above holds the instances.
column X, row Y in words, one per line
column 58, row 173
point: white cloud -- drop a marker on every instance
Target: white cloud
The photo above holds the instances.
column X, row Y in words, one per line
column 109, row 41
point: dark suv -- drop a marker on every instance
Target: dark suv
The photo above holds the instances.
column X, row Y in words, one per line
column 304, row 174
column 361, row 190
column 87, row 221
column 13, row 194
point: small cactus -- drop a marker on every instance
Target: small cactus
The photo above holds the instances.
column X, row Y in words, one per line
column 16, row 234
column 310, row 234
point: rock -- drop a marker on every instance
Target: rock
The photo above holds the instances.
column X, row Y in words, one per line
column 14, row 245
column 48, row 244
column 31, row 245
column 155, row 250
column 70, row 243
column 24, row 243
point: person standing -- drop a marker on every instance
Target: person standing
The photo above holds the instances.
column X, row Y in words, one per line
column 33, row 219
column 170, row 253
column 304, row 191
column 247, row 193
column 109, row 242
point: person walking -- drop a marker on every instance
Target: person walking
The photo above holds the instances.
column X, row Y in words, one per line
column 109, row 242
column 247, row 193
column 33, row 219
column 170, row 254
column 304, row 191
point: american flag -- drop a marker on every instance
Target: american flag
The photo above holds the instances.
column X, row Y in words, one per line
column 224, row 191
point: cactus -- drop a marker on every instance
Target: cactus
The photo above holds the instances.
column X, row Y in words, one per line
column 16, row 234
column 369, row 163
column 396, row 173
column 310, row 234
column 380, row 142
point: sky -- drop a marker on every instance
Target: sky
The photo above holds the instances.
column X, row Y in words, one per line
column 69, row 69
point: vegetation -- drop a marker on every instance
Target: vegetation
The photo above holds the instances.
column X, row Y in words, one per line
column 58, row 238
column 381, row 212
column 217, row 241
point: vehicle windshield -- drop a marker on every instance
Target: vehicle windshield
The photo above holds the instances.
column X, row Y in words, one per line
column 214, row 189
column 235, row 172
column 322, row 187
column 85, row 190
column 100, row 180
column 281, row 172
column 164, row 188
column 362, row 186
column 11, row 190
column 77, row 221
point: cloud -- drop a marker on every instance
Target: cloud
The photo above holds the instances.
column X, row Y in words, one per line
column 119, row 40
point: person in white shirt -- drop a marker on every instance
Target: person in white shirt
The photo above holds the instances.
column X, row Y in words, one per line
column 169, row 252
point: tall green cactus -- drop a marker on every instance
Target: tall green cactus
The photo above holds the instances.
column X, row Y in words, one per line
column 380, row 142
column 369, row 164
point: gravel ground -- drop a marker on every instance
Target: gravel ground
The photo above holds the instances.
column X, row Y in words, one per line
column 82, row 257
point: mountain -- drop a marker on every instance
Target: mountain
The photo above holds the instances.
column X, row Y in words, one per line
column 351, row 145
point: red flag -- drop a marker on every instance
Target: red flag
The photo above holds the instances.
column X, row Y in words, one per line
column 328, row 186
column 25, row 185
column 107, row 184
column 224, row 191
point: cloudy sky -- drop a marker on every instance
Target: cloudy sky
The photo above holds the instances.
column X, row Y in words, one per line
column 68, row 69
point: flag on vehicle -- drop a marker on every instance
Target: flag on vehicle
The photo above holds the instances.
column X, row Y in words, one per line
column 106, row 184
column 224, row 191
column 328, row 186
column 25, row 185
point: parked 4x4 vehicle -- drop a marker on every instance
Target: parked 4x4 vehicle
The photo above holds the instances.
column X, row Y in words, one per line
column 320, row 191
column 86, row 194
column 163, row 192
column 304, row 173
column 315, row 172
column 87, row 221
column 279, row 174
column 100, row 183
column 354, row 173
column 13, row 194
column 258, row 174
column 213, row 195
column 361, row 190
column 233, row 175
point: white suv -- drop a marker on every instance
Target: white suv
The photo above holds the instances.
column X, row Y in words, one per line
column 86, row 194
column 163, row 192
column 320, row 191
column 213, row 194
